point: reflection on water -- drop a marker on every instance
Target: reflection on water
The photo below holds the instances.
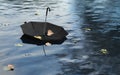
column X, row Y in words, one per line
column 92, row 25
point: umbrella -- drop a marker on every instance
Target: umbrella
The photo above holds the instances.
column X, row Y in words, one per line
column 41, row 32
column 36, row 30
column 44, row 30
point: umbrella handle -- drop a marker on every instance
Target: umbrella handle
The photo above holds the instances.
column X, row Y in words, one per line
column 48, row 9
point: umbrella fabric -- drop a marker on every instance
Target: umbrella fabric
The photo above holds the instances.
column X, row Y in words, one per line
column 31, row 40
column 42, row 28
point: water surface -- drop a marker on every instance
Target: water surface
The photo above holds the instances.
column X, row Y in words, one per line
column 92, row 25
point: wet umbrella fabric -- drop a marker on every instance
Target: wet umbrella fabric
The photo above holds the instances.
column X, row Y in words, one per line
column 37, row 29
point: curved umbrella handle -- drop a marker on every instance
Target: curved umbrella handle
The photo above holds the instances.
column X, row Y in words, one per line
column 48, row 9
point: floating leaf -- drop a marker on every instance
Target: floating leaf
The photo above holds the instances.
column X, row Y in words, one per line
column 38, row 37
column 37, row 12
column 87, row 29
column 104, row 51
column 20, row 45
column 50, row 32
column 48, row 44
column 9, row 67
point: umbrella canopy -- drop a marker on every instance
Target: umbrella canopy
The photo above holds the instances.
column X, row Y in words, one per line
column 44, row 31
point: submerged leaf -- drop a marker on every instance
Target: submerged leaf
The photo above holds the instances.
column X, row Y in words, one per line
column 104, row 51
column 48, row 44
column 37, row 12
column 20, row 45
column 5, row 68
column 38, row 37
column 87, row 29
column 9, row 67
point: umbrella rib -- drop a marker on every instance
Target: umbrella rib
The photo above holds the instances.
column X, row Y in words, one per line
column 44, row 31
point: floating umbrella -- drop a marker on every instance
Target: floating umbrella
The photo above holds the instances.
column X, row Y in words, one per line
column 41, row 32
column 51, row 32
column 44, row 30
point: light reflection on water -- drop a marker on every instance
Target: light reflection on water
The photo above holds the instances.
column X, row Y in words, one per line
column 79, row 54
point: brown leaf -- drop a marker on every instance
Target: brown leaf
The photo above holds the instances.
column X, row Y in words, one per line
column 50, row 32
column 38, row 37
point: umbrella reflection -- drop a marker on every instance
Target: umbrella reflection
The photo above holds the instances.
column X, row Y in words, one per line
column 31, row 40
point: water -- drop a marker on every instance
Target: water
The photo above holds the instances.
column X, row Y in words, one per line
column 92, row 25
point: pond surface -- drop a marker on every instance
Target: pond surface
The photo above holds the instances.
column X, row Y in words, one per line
column 93, row 27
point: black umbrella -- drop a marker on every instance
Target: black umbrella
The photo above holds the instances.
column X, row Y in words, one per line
column 51, row 32
column 44, row 30
column 41, row 32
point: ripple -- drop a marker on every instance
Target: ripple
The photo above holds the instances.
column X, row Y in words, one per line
column 99, row 17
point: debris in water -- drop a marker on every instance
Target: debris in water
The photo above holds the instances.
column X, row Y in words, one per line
column 88, row 29
column 37, row 12
column 38, row 37
column 48, row 44
column 9, row 67
column 19, row 45
column 104, row 51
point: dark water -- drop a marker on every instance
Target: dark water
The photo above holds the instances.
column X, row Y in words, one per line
column 92, row 25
